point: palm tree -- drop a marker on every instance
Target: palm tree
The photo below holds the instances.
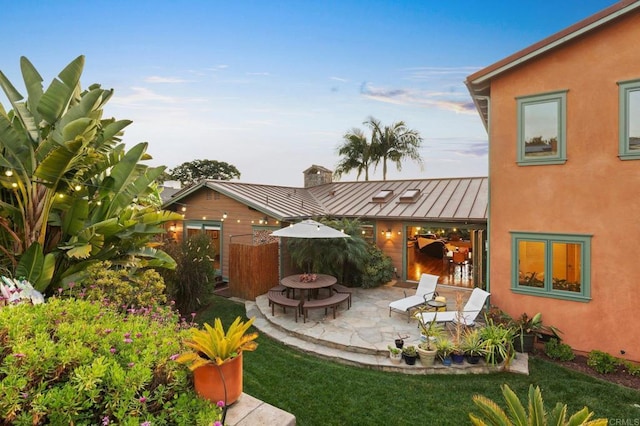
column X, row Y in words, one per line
column 356, row 152
column 395, row 143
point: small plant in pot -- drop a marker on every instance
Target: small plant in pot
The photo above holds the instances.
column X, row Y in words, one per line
column 527, row 329
column 400, row 341
column 395, row 354
column 410, row 354
column 498, row 342
column 472, row 346
column 444, row 346
column 216, row 359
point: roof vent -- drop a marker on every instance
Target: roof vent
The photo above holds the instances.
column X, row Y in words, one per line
column 410, row 196
column 382, row 196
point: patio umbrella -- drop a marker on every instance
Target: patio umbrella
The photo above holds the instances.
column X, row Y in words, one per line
column 309, row 229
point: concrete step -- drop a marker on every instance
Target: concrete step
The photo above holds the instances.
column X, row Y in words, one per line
column 361, row 356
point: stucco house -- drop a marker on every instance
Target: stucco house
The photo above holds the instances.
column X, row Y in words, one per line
column 396, row 216
column 563, row 119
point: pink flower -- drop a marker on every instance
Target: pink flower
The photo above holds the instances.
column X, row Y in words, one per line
column 143, row 399
column 128, row 340
column 19, row 355
column 113, row 350
column 131, row 364
column 174, row 357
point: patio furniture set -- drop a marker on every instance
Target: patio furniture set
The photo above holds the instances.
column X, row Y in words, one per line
column 426, row 295
column 279, row 295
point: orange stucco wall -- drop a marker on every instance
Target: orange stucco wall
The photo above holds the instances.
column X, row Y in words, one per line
column 593, row 193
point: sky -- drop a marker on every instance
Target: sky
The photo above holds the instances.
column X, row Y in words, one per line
column 271, row 86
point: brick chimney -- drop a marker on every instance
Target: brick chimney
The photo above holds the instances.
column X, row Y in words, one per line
column 317, row 175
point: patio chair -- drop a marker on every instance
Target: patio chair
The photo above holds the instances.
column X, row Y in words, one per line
column 426, row 290
column 469, row 313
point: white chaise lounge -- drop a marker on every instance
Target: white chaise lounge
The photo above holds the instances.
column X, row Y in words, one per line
column 425, row 291
column 469, row 313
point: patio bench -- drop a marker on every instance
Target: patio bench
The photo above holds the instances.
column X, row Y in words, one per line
column 330, row 302
column 276, row 298
column 339, row 288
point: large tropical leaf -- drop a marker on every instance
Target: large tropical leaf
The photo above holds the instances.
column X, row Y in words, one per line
column 58, row 95
column 48, row 269
column 33, row 83
column 31, row 263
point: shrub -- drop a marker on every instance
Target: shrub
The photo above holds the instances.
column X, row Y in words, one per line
column 121, row 286
column 191, row 282
column 378, row 270
column 632, row 369
column 78, row 362
column 557, row 350
column 602, row 362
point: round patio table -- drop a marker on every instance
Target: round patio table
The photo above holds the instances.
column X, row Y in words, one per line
column 293, row 282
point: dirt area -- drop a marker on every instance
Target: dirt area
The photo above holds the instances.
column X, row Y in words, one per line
column 579, row 363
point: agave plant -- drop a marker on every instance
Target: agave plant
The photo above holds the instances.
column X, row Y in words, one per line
column 492, row 414
column 213, row 346
column 70, row 193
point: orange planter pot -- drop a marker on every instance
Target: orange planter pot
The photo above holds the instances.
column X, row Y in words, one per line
column 209, row 384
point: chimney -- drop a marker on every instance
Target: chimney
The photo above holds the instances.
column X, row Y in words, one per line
column 317, row 175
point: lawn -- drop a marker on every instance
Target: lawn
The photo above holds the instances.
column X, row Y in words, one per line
column 320, row 392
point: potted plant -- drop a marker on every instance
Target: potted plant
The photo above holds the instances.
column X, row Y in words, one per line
column 457, row 353
column 410, row 354
column 400, row 341
column 527, row 329
column 498, row 343
column 444, row 347
column 430, row 332
column 472, row 346
column 395, row 354
column 216, row 359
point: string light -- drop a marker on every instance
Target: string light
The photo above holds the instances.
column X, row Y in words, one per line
column 8, row 173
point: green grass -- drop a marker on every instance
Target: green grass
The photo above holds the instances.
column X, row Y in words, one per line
column 320, row 392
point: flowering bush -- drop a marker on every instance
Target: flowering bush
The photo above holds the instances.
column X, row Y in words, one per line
column 13, row 291
column 121, row 286
column 80, row 362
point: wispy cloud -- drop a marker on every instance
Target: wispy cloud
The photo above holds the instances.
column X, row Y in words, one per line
column 143, row 97
column 471, row 147
column 450, row 101
column 429, row 73
column 258, row 73
column 217, row 67
column 158, row 79
column 342, row 80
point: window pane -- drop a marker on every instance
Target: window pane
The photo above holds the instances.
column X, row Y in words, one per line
column 540, row 129
column 633, row 117
column 531, row 263
column 567, row 267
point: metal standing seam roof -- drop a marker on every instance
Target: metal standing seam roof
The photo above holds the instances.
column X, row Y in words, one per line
column 442, row 199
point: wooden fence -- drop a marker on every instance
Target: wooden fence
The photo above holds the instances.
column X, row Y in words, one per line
column 253, row 269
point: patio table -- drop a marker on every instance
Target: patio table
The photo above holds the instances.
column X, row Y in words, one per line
column 322, row 281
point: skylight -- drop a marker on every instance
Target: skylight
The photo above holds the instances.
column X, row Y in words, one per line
column 382, row 196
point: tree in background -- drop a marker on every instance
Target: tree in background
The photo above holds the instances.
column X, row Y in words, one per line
column 193, row 171
column 394, row 143
column 356, row 153
column 353, row 261
column 70, row 193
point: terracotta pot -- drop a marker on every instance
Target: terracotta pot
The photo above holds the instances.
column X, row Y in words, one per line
column 209, row 383
column 427, row 358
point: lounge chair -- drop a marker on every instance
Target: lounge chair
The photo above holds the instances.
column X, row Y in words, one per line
column 425, row 291
column 469, row 313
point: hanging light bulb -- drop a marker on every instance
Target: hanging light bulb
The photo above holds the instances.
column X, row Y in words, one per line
column 224, row 215
column 184, row 208
column 78, row 187
column 8, row 173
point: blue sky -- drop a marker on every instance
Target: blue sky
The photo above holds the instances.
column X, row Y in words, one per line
column 272, row 86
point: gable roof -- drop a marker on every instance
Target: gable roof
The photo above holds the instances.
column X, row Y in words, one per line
column 442, row 199
column 479, row 83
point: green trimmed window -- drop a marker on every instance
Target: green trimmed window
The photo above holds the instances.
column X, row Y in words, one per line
column 629, row 134
column 551, row 265
column 542, row 129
